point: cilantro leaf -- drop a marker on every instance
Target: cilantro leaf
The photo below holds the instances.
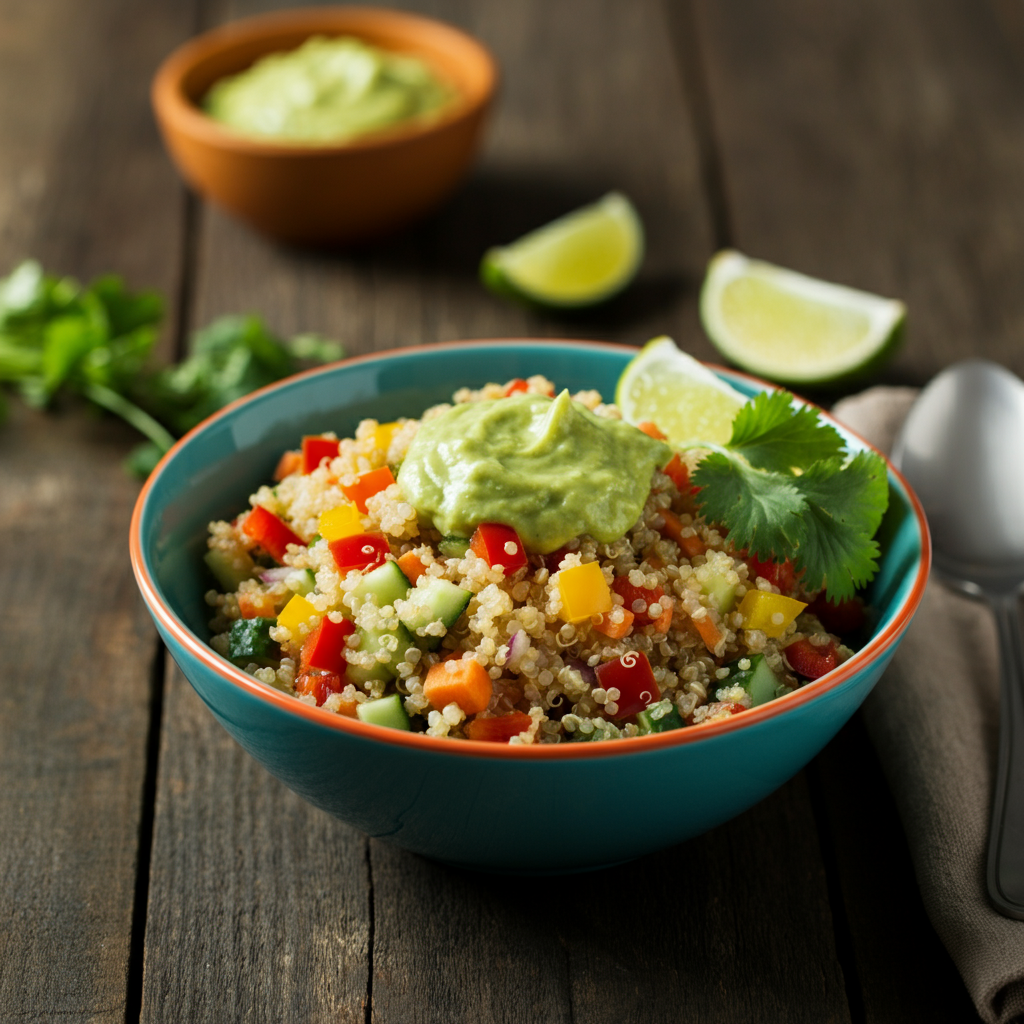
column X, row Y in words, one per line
column 770, row 433
column 845, row 504
column 784, row 488
column 761, row 507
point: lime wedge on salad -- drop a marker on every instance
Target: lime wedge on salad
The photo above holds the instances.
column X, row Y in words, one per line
column 793, row 329
column 686, row 400
column 580, row 259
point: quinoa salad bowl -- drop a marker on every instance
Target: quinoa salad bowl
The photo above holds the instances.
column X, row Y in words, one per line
column 607, row 678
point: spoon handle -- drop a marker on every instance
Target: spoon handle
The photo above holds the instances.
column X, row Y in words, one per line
column 1006, row 835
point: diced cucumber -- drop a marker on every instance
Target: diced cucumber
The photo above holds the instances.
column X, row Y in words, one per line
column 667, row 719
column 453, row 546
column 302, row 581
column 372, row 640
column 721, row 592
column 249, row 639
column 229, row 571
column 389, row 711
column 387, row 583
column 759, row 680
column 433, row 600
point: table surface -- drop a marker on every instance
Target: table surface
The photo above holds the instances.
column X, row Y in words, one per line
column 149, row 869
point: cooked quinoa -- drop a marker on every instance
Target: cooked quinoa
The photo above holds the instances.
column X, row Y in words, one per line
column 666, row 576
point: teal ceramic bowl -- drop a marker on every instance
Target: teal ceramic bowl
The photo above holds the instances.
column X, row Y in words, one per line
column 481, row 805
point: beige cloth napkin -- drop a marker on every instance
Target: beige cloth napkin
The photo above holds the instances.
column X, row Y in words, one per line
column 934, row 719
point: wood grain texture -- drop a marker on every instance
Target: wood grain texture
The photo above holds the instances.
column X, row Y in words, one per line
column 879, row 145
column 84, row 187
column 259, row 904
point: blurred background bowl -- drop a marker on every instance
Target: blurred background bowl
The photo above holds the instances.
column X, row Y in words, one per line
column 333, row 193
column 537, row 809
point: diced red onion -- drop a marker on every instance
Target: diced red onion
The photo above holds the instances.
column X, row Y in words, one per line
column 588, row 674
column 517, row 647
column 276, row 574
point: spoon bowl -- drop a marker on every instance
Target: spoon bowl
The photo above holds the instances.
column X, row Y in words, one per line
column 962, row 450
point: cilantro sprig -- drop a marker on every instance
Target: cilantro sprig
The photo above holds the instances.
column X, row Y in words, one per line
column 96, row 341
column 784, row 486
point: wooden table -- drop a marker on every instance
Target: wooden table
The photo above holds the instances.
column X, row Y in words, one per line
column 149, row 870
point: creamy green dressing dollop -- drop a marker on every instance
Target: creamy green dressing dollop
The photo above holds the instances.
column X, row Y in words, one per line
column 326, row 91
column 549, row 468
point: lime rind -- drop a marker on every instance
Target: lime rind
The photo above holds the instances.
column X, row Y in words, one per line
column 581, row 259
column 794, row 329
column 686, row 400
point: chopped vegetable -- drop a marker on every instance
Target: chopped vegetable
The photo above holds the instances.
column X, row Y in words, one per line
column 324, row 648
column 499, row 545
column 809, row 660
column 651, row 430
column 778, row 574
column 230, row 570
column 638, row 600
column 249, row 640
column 318, row 683
column 367, row 485
column 462, row 682
column 783, row 486
column 453, row 546
column 297, row 611
column 770, row 613
column 632, row 676
column 500, row 729
column 844, row 618
column 290, row 462
column 584, row 592
column 315, row 450
column 388, row 711
column 685, row 536
column 709, row 631
column 383, row 434
column 412, row 566
column 516, row 385
column 271, row 533
column 757, row 679
column 659, row 717
column 617, row 623
column 256, row 605
column 342, row 521
column 679, row 473
column 433, row 601
column 359, row 551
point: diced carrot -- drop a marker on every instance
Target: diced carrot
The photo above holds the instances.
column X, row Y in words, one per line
column 500, row 729
column 257, row 606
column 679, row 473
column 691, row 545
column 663, row 623
column 616, row 630
column 514, row 385
column 369, row 484
column 411, row 565
column 465, row 683
column 318, row 683
column 290, row 462
column 651, row 430
column 348, row 708
column 709, row 631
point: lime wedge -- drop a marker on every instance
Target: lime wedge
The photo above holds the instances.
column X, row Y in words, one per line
column 580, row 259
column 685, row 399
column 794, row 329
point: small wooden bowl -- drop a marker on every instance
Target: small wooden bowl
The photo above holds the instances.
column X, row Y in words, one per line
column 334, row 193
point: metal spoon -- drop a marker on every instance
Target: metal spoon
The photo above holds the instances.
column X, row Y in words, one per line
column 962, row 449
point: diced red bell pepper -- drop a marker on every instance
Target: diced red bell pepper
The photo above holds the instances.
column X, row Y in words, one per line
column 272, row 534
column 324, row 648
column 631, row 675
column 315, row 450
column 500, row 545
column 554, row 560
column 809, row 661
column 516, row 385
column 318, row 683
column 290, row 462
column 679, row 473
column 629, row 594
column 359, row 551
column 367, row 485
column 844, row 618
column 500, row 729
column 778, row 574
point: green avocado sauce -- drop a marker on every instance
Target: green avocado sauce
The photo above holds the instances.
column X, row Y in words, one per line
column 326, row 91
column 549, row 468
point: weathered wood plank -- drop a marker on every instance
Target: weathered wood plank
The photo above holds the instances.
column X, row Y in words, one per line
column 878, row 144
column 84, row 187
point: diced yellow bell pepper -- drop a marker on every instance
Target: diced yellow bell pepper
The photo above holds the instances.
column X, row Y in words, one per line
column 383, row 434
column 584, row 592
column 339, row 522
column 771, row 613
column 294, row 613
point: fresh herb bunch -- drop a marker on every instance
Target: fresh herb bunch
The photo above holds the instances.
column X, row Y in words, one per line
column 57, row 335
column 784, row 486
